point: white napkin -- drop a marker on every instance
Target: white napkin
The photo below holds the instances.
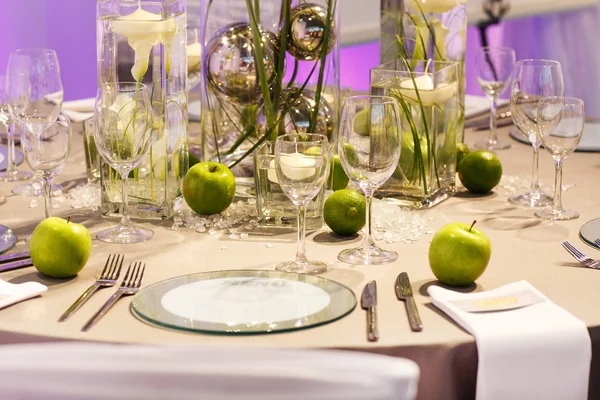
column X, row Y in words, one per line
column 11, row 293
column 475, row 105
column 536, row 352
column 79, row 110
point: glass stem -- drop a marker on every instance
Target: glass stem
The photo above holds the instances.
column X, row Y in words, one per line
column 368, row 240
column 11, row 167
column 493, row 138
column 535, row 185
column 125, row 221
column 48, row 196
column 558, row 186
column 301, row 251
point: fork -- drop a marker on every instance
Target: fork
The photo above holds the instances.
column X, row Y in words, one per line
column 579, row 256
column 108, row 277
column 130, row 285
column 597, row 242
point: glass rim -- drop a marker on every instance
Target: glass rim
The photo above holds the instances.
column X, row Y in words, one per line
column 135, row 86
column 565, row 100
column 321, row 137
column 391, row 66
column 386, row 99
column 537, row 62
column 40, row 115
column 39, row 50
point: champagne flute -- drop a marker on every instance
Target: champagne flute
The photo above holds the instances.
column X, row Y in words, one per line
column 11, row 173
column 369, row 161
column 34, row 86
column 302, row 166
column 494, row 67
column 560, row 122
column 534, row 79
column 46, row 142
column 123, row 132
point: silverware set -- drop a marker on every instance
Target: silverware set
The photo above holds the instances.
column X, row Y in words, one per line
column 108, row 278
column 580, row 256
column 403, row 292
column 15, row 261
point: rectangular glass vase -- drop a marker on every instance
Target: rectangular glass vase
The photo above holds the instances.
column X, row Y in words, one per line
column 427, row 96
column 273, row 206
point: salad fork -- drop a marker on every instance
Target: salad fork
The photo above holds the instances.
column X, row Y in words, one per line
column 579, row 256
column 130, row 285
column 108, row 277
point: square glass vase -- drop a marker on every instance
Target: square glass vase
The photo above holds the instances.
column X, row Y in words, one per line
column 427, row 97
column 273, row 206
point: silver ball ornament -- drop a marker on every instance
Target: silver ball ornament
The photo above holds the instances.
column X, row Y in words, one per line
column 298, row 114
column 307, row 28
column 230, row 65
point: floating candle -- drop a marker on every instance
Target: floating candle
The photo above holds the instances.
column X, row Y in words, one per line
column 428, row 92
column 143, row 30
column 296, row 167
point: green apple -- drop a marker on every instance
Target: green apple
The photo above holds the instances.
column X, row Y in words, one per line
column 362, row 122
column 337, row 176
column 209, row 187
column 459, row 254
column 60, row 248
column 406, row 169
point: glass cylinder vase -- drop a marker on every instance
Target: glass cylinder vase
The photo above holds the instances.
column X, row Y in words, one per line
column 270, row 67
column 427, row 29
column 145, row 41
column 427, row 95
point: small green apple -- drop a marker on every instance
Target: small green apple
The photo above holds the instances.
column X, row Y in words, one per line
column 406, row 169
column 208, row 188
column 459, row 254
column 60, row 248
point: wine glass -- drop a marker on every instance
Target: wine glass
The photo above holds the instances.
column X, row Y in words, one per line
column 302, row 166
column 46, row 142
column 369, row 161
column 533, row 80
column 494, row 67
column 34, row 86
column 560, row 122
column 11, row 173
column 123, row 132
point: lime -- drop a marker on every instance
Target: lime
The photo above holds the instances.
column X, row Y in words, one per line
column 193, row 160
column 461, row 151
column 480, row 171
column 345, row 212
column 340, row 179
column 406, row 169
column 362, row 121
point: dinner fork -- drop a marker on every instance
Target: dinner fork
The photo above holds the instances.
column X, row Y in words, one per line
column 108, row 277
column 579, row 256
column 130, row 285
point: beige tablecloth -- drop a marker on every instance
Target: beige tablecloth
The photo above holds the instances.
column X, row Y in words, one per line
column 523, row 247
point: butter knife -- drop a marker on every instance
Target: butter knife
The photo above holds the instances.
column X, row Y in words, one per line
column 404, row 292
column 14, row 257
column 16, row 265
column 369, row 302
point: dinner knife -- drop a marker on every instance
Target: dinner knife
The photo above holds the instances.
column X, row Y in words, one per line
column 404, row 292
column 16, row 265
column 14, row 257
column 369, row 302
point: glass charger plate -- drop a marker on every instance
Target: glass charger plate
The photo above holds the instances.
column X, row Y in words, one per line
column 590, row 231
column 4, row 157
column 243, row 302
column 590, row 140
column 7, row 238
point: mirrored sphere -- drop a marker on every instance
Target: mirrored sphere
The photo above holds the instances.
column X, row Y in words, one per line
column 307, row 28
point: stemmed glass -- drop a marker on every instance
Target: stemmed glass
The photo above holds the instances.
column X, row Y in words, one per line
column 302, row 166
column 561, row 121
column 33, row 86
column 11, row 173
column 123, row 132
column 534, row 79
column 494, row 67
column 369, row 161
column 46, row 142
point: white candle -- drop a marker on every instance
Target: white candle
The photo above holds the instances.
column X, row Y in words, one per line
column 432, row 6
column 295, row 166
column 428, row 93
column 143, row 30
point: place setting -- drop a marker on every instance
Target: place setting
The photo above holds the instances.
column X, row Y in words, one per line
column 223, row 183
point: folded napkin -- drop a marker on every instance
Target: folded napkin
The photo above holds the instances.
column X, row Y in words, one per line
column 79, row 110
column 475, row 105
column 539, row 351
column 11, row 293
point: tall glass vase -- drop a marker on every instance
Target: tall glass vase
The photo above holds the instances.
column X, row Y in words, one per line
column 427, row 29
column 145, row 41
column 270, row 67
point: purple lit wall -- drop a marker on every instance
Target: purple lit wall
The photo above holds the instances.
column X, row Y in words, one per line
column 68, row 26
